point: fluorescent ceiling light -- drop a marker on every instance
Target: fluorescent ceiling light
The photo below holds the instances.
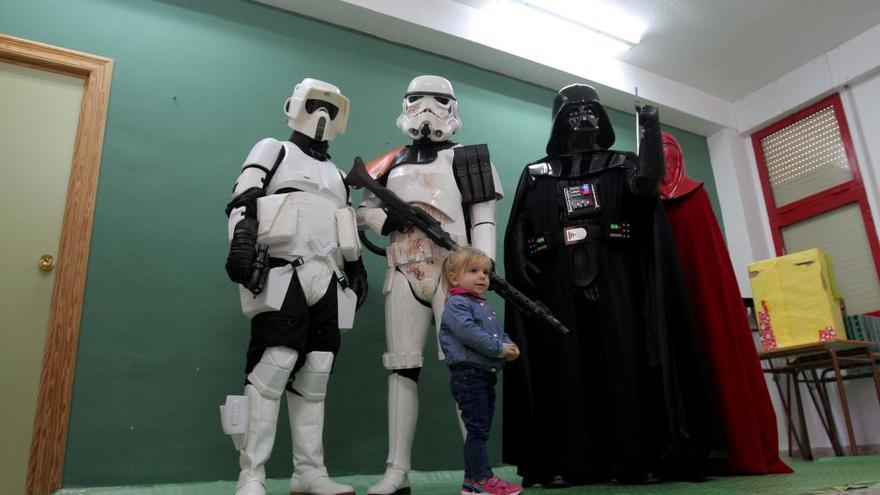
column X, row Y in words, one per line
column 541, row 31
column 598, row 15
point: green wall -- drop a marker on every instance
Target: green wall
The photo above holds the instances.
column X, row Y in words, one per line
column 195, row 85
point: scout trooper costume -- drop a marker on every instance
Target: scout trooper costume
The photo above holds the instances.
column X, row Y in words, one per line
column 291, row 199
column 458, row 186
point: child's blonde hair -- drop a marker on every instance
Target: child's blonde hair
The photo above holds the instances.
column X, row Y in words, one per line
column 461, row 259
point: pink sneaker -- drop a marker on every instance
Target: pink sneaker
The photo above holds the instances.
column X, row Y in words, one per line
column 492, row 486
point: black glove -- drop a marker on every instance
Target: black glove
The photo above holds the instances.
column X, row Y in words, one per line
column 393, row 222
column 242, row 251
column 651, row 167
column 649, row 117
column 356, row 275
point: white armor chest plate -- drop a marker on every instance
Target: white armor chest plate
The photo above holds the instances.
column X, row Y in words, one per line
column 432, row 187
column 432, row 184
column 300, row 171
column 323, row 193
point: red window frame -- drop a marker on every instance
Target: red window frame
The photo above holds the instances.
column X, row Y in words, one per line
column 843, row 194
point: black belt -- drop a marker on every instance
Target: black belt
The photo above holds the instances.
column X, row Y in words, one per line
column 576, row 234
column 285, row 190
column 279, row 262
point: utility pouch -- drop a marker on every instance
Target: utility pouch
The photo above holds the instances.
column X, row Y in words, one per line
column 272, row 297
column 346, row 303
column 473, row 173
column 234, row 418
column 347, row 234
column 277, row 215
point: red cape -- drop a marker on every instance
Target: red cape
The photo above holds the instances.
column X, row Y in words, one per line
column 747, row 415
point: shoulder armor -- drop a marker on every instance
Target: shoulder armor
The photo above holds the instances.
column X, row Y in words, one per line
column 550, row 169
column 473, row 173
column 264, row 154
column 381, row 165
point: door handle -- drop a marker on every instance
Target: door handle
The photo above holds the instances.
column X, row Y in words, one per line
column 47, row 262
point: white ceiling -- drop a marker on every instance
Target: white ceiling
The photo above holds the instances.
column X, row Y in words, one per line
column 731, row 48
column 699, row 59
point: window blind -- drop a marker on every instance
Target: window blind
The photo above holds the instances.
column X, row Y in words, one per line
column 841, row 233
column 805, row 157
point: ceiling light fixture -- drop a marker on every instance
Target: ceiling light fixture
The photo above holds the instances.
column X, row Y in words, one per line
column 595, row 15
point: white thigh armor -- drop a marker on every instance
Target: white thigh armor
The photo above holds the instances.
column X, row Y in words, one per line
column 406, row 324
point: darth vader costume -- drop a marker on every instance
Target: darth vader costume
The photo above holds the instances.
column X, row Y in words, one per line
column 623, row 396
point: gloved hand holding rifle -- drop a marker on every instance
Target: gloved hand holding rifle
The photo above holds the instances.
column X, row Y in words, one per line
column 359, row 178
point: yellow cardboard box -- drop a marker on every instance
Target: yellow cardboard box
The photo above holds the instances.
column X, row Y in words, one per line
column 796, row 299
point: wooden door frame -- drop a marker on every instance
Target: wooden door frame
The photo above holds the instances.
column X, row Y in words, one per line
column 59, row 353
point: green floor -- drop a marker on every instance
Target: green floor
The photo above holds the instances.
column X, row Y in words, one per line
column 826, row 476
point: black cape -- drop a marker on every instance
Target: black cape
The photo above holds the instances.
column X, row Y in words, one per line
column 623, row 396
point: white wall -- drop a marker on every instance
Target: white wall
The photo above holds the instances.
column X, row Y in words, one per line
column 747, row 229
column 861, row 103
column 492, row 39
column 742, row 201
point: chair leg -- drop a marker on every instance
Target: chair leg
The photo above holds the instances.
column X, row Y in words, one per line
column 824, row 410
column 806, row 450
column 853, row 447
column 874, row 372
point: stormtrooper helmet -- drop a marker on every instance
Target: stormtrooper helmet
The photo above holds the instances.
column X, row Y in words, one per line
column 317, row 109
column 429, row 109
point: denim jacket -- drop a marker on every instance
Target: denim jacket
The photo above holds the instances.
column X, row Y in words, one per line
column 470, row 333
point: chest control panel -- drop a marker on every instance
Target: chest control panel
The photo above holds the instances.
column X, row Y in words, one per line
column 581, row 199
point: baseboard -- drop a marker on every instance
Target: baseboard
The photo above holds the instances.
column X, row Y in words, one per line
column 872, row 449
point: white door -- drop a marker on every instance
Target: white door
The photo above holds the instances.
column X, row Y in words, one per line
column 39, row 113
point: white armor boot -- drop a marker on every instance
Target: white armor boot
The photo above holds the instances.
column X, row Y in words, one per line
column 258, row 443
column 403, row 412
column 309, row 474
column 264, row 392
column 306, row 408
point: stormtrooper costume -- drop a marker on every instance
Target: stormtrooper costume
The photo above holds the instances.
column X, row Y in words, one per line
column 290, row 217
column 459, row 187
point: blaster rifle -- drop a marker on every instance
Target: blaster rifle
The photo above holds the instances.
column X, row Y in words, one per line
column 261, row 271
column 359, row 178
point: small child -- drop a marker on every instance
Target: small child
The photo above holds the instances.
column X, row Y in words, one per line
column 476, row 348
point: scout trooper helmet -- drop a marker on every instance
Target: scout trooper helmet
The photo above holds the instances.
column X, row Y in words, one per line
column 429, row 109
column 317, row 109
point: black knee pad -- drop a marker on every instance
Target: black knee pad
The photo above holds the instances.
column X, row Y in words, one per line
column 411, row 373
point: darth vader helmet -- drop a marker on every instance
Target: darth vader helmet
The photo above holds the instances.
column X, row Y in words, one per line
column 577, row 109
